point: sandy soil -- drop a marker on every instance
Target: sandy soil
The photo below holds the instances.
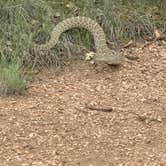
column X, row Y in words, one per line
column 61, row 120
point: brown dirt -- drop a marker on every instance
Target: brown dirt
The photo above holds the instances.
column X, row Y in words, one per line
column 52, row 123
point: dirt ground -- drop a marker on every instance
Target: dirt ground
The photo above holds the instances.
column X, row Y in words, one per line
column 61, row 119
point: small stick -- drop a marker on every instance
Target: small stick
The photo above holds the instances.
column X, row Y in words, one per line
column 134, row 58
column 93, row 108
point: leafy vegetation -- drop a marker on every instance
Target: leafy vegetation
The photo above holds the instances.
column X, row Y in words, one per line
column 12, row 80
column 25, row 22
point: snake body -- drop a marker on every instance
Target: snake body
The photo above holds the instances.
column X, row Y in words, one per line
column 103, row 53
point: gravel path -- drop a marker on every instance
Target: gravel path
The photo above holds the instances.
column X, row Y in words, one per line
column 60, row 120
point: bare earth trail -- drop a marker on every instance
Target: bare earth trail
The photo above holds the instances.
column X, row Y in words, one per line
column 51, row 124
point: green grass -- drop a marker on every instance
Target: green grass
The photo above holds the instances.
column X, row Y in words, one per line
column 11, row 79
column 25, row 22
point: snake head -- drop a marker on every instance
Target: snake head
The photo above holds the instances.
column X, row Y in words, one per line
column 109, row 58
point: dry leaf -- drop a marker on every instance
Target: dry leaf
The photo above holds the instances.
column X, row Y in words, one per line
column 128, row 44
column 157, row 34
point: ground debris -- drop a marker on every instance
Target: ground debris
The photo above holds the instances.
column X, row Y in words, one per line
column 46, row 127
column 98, row 108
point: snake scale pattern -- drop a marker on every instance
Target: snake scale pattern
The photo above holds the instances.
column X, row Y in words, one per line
column 103, row 53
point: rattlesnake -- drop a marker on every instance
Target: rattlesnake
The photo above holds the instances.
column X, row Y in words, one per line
column 103, row 53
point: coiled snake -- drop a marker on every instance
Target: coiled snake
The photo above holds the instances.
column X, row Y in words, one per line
column 103, row 53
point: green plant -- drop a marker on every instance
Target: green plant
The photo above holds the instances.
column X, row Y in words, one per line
column 12, row 80
column 25, row 22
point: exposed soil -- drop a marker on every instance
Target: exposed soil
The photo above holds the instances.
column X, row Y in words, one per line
column 89, row 116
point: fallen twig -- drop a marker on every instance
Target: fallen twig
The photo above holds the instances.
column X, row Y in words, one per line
column 95, row 108
column 133, row 58
column 153, row 41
